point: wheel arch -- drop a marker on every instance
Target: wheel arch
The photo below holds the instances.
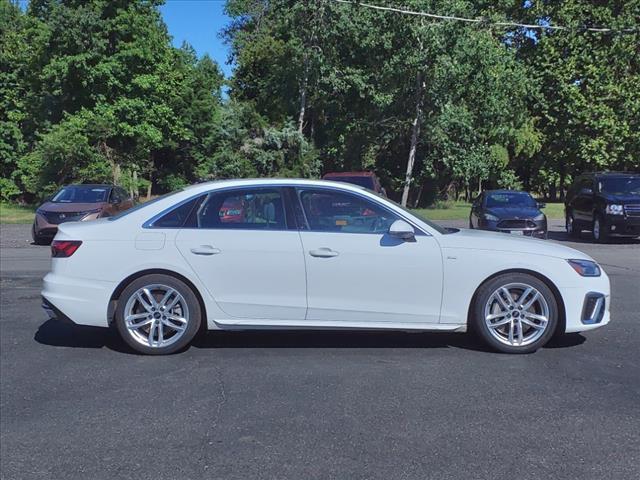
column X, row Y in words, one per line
column 115, row 296
column 560, row 328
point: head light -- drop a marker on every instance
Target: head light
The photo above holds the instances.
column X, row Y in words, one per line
column 614, row 209
column 539, row 217
column 585, row 268
column 490, row 217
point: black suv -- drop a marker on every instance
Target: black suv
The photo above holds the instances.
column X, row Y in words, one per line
column 608, row 204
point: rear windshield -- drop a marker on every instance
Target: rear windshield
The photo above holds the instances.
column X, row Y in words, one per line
column 81, row 194
column 620, row 185
column 140, row 206
column 366, row 182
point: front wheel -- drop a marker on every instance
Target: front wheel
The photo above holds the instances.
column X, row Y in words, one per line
column 158, row 315
column 572, row 229
column 599, row 230
column 515, row 313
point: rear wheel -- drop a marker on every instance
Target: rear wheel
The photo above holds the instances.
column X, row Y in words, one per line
column 158, row 315
column 515, row 313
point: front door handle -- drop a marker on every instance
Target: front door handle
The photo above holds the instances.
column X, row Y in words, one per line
column 323, row 252
column 205, row 250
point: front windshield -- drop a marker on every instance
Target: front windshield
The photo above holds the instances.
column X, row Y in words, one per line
column 81, row 194
column 510, row 199
column 620, row 185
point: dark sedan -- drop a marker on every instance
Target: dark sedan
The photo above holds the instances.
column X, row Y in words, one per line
column 508, row 211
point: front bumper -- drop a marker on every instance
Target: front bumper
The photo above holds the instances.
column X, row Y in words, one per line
column 533, row 228
column 622, row 225
column 587, row 307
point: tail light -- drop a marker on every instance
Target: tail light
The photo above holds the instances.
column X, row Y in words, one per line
column 64, row 248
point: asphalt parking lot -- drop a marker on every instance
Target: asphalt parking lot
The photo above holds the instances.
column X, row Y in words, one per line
column 75, row 403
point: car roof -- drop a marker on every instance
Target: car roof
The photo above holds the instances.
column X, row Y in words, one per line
column 91, row 185
column 274, row 182
column 507, row 191
column 612, row 174
column 350, row 174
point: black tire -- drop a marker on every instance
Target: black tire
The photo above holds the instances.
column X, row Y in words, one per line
column 599, row 230
column 470, row 224
column 193, row 321
column 573, row 229
column 483, row 296
column 39, row 240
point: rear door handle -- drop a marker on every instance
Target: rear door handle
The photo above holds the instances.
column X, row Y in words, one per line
column 323, row 252
column 205, row 250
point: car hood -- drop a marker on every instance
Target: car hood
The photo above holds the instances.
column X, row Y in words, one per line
column 515, row 212
column 495, row 241
column 70, row 207
column 627, row 199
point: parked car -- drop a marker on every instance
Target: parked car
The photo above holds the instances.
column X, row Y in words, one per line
column 365, row 179
column 508, row 211
column 307, row 256
column 607, row 203
column 75, row 203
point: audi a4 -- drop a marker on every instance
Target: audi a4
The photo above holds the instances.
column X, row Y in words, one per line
column 294, row 254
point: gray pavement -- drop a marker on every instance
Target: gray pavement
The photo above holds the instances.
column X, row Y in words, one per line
column 75, row 403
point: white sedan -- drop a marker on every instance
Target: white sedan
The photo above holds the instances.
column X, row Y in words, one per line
column 289, row 254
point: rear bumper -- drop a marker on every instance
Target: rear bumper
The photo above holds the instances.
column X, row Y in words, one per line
column 84, row 302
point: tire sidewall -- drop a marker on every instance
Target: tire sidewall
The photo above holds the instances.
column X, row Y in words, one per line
column 195, row 313
column 489, row 287
column 602, row 237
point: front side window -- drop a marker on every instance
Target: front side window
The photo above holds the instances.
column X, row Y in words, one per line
column 333, row 211
column 254, row 209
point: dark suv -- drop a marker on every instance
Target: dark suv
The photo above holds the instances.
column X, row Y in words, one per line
column 608, row 204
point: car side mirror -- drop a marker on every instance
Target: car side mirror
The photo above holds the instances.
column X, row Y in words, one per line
column 542, row 205
column 401, row 229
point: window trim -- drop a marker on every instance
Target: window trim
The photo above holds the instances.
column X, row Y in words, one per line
column 299, row 188
column 149, row 224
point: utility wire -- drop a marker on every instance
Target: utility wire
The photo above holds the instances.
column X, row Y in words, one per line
column 485, row 22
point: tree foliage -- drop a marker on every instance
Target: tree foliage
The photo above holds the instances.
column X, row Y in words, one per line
column 94, row 91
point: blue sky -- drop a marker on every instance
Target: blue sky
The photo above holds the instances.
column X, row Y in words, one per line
column 198, row 22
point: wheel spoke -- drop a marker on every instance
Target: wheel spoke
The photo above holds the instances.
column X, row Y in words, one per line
column 160, row 333
column 499, row 323
column 152, row 332
column 507, row 295
column 495, row 316
column 535, row 316
column 167, row 295
column 520, row 332
column 172, row 325
column 511, row 328
column 538, row 326
column 533, row 300
column 144, row 302
column 524, row 296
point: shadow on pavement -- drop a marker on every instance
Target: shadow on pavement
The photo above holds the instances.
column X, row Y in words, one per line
column 585, row 237
column 57, row 334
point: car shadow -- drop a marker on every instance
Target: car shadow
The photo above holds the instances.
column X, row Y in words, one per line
column 57, row 334
column 585, row 237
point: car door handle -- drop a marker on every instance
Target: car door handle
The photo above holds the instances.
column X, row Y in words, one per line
column 323, row 252
column 205, row 250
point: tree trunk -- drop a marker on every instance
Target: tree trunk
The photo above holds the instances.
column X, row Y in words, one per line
column 303, row 95
column 149, row 186
column 415, row 132
column 134, row 185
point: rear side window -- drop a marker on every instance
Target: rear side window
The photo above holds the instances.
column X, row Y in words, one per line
column 180, row 216
column 333, row 211
column 251, row 209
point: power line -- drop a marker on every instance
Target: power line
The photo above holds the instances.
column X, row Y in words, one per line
column 484, row 21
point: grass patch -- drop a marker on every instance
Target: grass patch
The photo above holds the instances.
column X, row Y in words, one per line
column 461, row 210
column 11, row 213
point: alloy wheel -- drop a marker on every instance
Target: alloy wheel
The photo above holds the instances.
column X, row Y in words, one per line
column 596, row 229
column 156, row 315
column 516, row 314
